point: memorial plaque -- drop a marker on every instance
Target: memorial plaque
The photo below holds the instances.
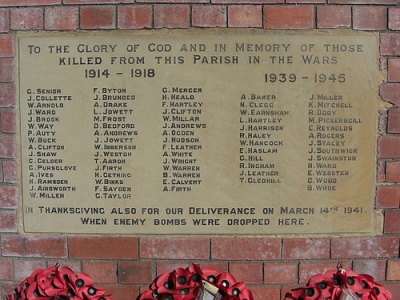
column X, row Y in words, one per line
column 198, row 133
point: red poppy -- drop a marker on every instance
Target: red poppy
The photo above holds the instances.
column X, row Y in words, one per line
column 58, row 283
column 185, row 284
column 376, row 292
column 332, row 284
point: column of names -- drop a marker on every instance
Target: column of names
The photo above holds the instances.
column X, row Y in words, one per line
column 331, row 155
column 49, row 172
column 261, row 125
column 115, row 133
column 181, row 133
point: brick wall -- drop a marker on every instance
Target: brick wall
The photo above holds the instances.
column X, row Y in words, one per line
column 271, row 266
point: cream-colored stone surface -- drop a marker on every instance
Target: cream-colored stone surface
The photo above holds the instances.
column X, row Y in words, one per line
column 254, row 133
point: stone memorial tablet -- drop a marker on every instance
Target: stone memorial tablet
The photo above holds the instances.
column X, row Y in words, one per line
column 198, row 133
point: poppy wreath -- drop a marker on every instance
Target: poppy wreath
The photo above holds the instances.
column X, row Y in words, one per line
column 55, row 283
column 185, row 284
column 334, row 284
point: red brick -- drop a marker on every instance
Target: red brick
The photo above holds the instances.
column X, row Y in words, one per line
column 280, row 272
column 61, row 18
column 7, row 146
column 174, row 1
column 390, row 44
column 74, row 265
column 245, row 16
column 97, row 17
column 310, row 269
column 248, row 1
column 135, row 17
column 393, row 171
column 389, row 147
column 390, row 92
column 243, row 248
column 6, row 45
column 333, row 16
column 393, row 270
column 303, row 248
column 393, row 70
column 9, row 171
column 289, row 17
column 122, row 292
column 365, row 247
column 363, row 2
column 135, row 272
column 248, row 272
column 305, row 1
column 174, row 248
column 7, row 95
column 394, row 288
column 97, row 1
column 209, row 16
column 392, row 224
column 7, row 70
column 171, row 16
column 8, row 221
column 103, row 247
column 6, row 288
column 8, row 197
column 28, row 2
column 394, row 121
column 24, row 268
column 265, row 292
column 34, row 246
column 394, row 18
column 369, row 17
column 388, row 197
column 27, row 18
column 6, row 270
column 169, row 266
column 8, row 122
column 375, row 268
column 101, row 272
column 4, row 20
